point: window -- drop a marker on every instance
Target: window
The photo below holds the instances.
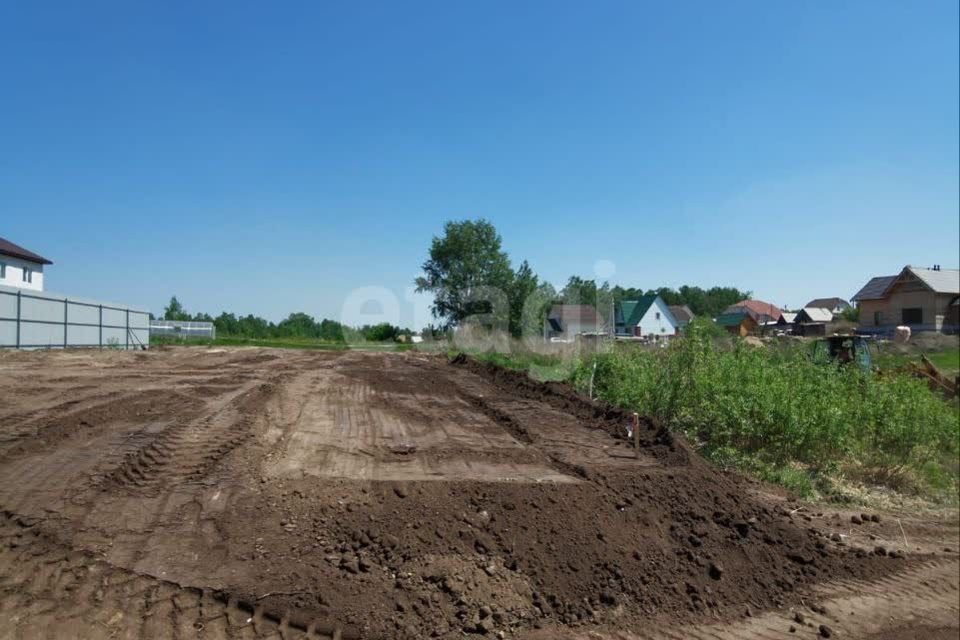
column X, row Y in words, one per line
column 27, row 275
column 913, row 315
column 3, row 270
column 658, row 315
column 877, row 318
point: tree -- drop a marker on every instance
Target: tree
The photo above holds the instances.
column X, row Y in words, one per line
column 175, row 311
column 383, row 332
column 523, row 286
column 468, row 273
column 298, row 325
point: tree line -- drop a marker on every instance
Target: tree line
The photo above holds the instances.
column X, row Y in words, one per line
column 295, row 325
column 471, row 279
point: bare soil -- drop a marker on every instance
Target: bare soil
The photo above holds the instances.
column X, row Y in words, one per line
column 264, row 493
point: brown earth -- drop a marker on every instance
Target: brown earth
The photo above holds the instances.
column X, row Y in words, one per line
column 250, row 493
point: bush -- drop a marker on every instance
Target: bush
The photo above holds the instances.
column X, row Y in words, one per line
column 780, row 407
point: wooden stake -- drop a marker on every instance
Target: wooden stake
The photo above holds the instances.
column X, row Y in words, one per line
column 636, row 435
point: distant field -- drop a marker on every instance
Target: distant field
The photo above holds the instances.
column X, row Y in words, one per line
column 284, row 343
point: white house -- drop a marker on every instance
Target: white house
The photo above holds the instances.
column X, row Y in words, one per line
column 20, row 267
column 647, row 317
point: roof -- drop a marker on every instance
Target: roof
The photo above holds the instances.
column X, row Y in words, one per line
column 788, row 317
column 827, row 303
column 756, row 308
column 681, row 312
column 7, row 248
column 816, row 314
column 631, row 312
column 940, row 280
column 732, row 319
column 874, row 289
column 578, row 313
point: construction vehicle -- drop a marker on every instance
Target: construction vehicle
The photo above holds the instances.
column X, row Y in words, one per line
column 844, row 349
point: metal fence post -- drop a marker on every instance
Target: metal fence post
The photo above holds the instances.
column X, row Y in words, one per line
column 65, row 305
column 18, row 319
column 127, row 345
column 100, row 326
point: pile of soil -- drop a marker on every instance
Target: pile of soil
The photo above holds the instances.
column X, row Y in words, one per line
column 150, row 485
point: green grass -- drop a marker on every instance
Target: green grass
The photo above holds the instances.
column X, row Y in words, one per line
column 948, row 360
column 540, row 367
column 281, row 343
column 779, row 413
column 811, row 426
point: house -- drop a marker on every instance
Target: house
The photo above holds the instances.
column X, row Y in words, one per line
column 916, row 297
column 836, row 306
column 20, row 267
column 812, row 321
column 647, row 317
column 682, row 314
column 739, row 323
column 567, row 321
column 761, row 312
column 787, row 320
column 813, row 314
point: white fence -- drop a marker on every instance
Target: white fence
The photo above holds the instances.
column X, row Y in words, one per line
column 40, row 320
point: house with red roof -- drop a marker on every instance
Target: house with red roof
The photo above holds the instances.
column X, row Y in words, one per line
column 762, row 312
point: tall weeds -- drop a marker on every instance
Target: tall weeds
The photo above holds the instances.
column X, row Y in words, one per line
column 774, row 408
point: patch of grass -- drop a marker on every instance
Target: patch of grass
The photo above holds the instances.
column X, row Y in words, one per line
column 281, row 343
column 818, row 429
column 782, row 416
column 542, row 367
column 947, row 360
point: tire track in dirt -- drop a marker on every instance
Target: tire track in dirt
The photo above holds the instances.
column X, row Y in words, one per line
column 86, row 419
column 49, row 590
column 188, row 450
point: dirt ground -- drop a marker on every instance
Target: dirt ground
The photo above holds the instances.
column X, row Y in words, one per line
column 211, row 493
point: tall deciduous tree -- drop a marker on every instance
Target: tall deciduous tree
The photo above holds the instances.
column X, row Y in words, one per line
column 468, row 273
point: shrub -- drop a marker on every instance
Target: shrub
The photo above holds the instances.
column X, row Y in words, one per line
column 780, row 407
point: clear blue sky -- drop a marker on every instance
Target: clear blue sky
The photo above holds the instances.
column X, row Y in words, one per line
column 271, row 157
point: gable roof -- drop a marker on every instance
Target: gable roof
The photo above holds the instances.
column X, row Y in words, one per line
column 681, row 312
column 7, row 248
column 827, row 303
column 814, row 314
column 732, row 319
column 874, row 289
column 631, row 312
column 788, row 317
column 939, row 280
column 756, row 308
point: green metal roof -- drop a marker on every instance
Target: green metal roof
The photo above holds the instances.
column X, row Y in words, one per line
column 731, row 319
column 634, row 310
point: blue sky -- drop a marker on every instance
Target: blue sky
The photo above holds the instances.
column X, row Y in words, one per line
column 273, row 157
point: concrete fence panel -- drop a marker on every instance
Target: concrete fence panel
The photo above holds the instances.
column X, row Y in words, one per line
column 36, row 320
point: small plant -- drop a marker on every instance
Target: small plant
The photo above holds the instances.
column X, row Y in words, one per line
column 113, row 343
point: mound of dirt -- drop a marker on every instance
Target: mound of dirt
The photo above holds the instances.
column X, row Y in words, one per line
column 367, row 495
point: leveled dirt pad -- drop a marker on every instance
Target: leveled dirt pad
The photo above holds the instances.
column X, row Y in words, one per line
column 251, row 493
